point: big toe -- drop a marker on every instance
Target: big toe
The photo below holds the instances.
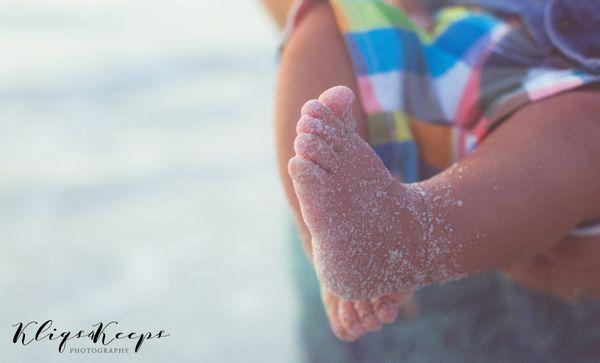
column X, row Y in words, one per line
column 339, row 100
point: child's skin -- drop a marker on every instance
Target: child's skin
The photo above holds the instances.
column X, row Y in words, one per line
column 514, row 197
column 533, row 179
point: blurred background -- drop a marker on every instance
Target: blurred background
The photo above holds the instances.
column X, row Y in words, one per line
column 138, row 179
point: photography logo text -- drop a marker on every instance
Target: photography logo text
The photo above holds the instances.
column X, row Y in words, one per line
column 101, row 337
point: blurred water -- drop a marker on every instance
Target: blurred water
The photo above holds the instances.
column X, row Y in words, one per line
column 137, row 178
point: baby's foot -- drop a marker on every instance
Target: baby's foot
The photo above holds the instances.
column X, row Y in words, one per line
column 363, row 222
column 350, row 320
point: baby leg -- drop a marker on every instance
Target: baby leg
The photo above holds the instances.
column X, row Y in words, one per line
column 314, row 59
column 536, row 177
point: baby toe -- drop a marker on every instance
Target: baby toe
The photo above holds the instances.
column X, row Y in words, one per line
column 315, row 149
column 318, row 110
column 331, row 303
column 385, row 310
column 339, row 100
column 310, row 125
column 366, row 314
column 349, row 318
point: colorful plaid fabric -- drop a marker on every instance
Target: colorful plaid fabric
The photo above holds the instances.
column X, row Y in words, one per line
column 432, row 96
